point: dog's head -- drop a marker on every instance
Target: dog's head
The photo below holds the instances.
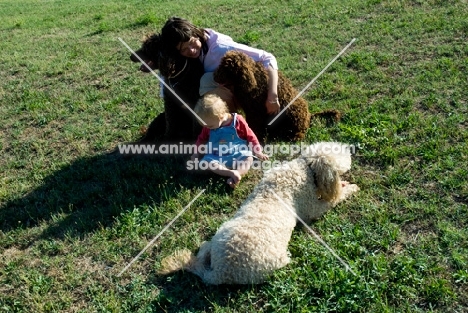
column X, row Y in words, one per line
column 149, row 52
column 236, row 71
column 326, row 177
column 152, row 53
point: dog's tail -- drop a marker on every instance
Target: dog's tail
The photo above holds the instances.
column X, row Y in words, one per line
column 179, row 260
column 185, row 260
column 331, row 116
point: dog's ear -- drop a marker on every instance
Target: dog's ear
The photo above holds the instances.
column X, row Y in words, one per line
column 235, row 70
column 326, row 177
column 171, row 65
column 145, row 58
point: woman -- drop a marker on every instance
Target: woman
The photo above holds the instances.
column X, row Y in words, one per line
column 182, row 37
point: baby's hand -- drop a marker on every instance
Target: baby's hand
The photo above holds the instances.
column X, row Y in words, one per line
column 262, row 156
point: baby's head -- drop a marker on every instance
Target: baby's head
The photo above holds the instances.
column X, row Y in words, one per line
column 212, row 110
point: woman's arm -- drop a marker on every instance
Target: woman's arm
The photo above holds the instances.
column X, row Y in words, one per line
column 272, row 103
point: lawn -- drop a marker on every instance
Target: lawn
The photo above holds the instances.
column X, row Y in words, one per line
column 72, row 216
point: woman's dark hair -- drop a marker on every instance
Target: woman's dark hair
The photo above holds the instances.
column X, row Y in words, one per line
column 177, row 30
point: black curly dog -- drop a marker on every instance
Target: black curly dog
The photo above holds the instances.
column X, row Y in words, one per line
column 176, row 123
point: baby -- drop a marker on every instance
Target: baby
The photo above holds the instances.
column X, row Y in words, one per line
column 227, row 138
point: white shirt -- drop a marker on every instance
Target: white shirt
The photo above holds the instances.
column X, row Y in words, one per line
column 219, row 44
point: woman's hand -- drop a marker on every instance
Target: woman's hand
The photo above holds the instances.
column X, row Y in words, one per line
column 272, row 106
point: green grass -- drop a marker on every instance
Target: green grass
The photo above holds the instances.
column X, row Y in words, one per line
column 71, row 216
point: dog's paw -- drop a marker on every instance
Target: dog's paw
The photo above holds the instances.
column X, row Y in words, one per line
column 349, row 189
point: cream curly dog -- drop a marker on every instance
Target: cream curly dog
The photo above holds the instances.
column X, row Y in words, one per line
column 254, row 243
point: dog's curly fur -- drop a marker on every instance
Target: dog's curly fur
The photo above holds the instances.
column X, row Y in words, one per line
column 248, row 81
column 247, row 248
column 176, row 123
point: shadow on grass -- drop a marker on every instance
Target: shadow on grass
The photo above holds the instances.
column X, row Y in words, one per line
column 185, row 291
column 92, row 191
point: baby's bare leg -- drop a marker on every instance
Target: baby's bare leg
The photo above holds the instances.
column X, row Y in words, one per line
column 243, row 166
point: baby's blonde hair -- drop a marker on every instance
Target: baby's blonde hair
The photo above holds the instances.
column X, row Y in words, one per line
column 211, row 105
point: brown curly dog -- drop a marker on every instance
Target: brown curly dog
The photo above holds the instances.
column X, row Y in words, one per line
column 248, row 81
